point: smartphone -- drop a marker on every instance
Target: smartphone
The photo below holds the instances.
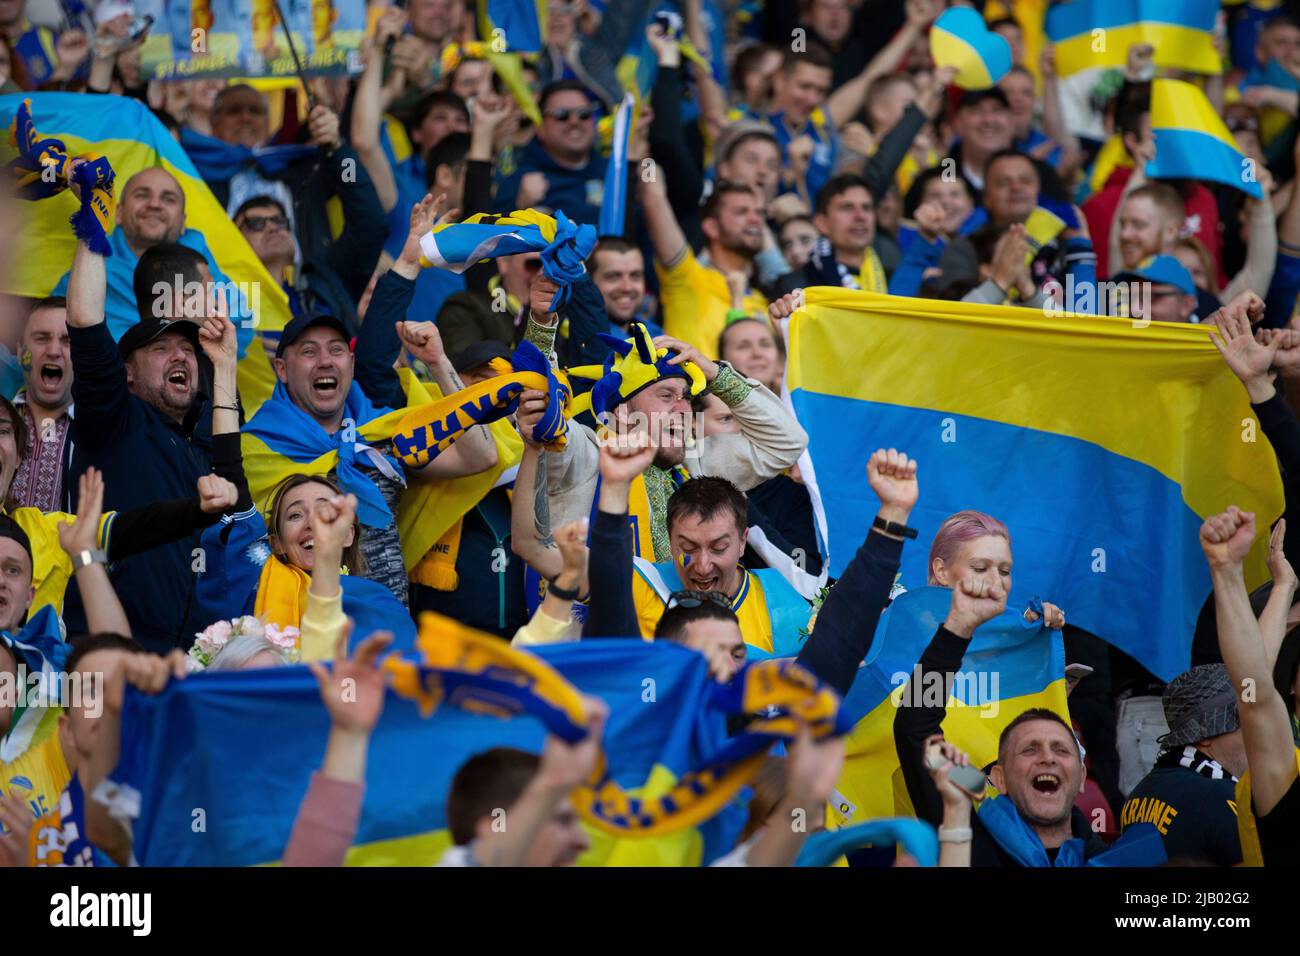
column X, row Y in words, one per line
column 140, row 26
column 970, row 779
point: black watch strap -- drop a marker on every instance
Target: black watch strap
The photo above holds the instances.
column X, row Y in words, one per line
column 893, row 527
column 564, row 594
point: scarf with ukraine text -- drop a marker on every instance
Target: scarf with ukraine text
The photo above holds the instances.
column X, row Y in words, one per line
column 43, row 169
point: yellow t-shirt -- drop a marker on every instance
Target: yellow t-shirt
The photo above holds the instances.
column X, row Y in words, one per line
column 51, row 566
column 1247, row 826
column 695, row 301
column 750, row 606
column 39, row 773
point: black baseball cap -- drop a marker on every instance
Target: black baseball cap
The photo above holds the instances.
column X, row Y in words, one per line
column 479, row 353
column 146, row 330
column 300, row 324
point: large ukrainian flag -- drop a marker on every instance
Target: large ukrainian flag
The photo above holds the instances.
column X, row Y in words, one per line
column 1010, row 667
column 1101, row 445
column 133, row 139
column 242, row 746
column 1092, row 33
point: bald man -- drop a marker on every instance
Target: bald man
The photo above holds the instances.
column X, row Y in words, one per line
column 150, row 211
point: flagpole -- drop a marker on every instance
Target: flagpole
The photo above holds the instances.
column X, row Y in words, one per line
column 293, row 50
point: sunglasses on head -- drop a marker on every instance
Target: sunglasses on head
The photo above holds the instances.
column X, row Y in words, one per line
column 581, row 114
column 258, row 223
column 692, row 599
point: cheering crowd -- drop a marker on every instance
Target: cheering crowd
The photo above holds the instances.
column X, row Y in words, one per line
column 155, row 526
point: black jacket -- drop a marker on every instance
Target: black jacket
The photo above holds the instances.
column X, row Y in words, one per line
column 915, row 723
column 146, row 457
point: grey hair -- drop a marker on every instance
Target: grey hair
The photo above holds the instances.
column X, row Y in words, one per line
column 242, row 649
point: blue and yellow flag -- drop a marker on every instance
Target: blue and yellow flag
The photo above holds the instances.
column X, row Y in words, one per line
column 1192, row 141
column 131, row 137
column 1010, row 666
column 1092, row 33
column 667, row 726
column 281, row 440
column 961, row 39
column 516, row 25
column 1101, row 445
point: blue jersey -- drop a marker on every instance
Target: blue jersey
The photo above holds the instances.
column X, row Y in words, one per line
column 825, row 147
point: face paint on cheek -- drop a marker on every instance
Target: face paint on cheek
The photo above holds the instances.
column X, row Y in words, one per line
column 685, row 560
column 26, row 360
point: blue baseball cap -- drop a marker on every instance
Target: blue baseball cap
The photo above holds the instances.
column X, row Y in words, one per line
column 1161, row 270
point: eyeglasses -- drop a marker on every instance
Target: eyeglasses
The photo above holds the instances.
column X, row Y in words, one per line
column 258, row 223
column 582, row 114
column 692, row 599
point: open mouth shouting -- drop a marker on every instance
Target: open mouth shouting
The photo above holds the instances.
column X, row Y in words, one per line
column 178, row 377
column 325, row 386
column 51, row 375
column 1046, row 783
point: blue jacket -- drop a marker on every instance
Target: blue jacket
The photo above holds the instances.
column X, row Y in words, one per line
column 579, row 192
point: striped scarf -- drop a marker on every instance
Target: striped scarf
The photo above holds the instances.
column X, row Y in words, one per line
column 825, row 269
column 1192, row 759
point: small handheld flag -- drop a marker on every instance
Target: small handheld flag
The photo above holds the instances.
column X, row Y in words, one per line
column 612, row 212
column 1192, row 142
column 961, row 39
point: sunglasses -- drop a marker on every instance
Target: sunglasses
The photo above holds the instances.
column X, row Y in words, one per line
column 582, row 114
column 258, row 223
column 693, row 599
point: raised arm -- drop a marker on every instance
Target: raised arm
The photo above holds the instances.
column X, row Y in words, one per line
column 846, row 102
column 530, row 520
column 1273, row 619
column 1261, row 243
column 564, row 767
column 1054, row 124
column 846, row 623
column 353, row 693
column 974, row 601
column 613, row 612
column 813, row 768
column 333, row 526
column 666, row 234
column 368, row 107
column 80, row 540
column 1226, row 539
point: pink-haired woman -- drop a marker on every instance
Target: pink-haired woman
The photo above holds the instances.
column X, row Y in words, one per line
column 973, row 544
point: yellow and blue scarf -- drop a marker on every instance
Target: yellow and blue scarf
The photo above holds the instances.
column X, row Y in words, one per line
column 42, row 169
column 480, row 674
column 564, row 245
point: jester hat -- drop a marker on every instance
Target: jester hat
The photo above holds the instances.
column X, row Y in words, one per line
column 634, row 364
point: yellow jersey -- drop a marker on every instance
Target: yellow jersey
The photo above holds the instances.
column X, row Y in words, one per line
column 695, row 301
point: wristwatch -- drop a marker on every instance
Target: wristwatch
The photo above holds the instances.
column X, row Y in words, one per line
column 84, row 559
column 893, row 527
column 955, row 835
column 564, row 594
